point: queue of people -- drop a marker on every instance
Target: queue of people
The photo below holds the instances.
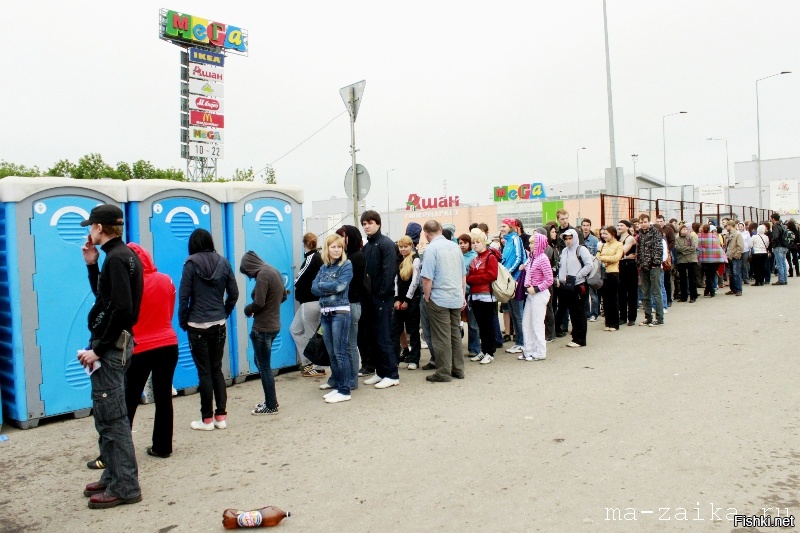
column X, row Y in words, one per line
column 403, row 292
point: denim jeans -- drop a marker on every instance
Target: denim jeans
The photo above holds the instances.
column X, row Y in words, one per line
column 746, row 267
column 352, row 347
column 779, row 255
column 121, row 475
column 498, row 335
column 336, row 333
column 207, row 346
column 592, row 303
column 652, row 289
column 664, row 298
column 262, row 353
column 473, row 335
column 161, row 362
column 735, row 274
column 515, row 309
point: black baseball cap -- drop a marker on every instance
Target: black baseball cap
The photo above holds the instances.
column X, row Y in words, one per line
column 106, row 214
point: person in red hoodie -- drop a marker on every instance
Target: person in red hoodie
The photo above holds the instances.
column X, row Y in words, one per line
column 482, row 272
column 156, row 351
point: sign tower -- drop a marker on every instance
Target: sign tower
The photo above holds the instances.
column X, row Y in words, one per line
column 204, row 46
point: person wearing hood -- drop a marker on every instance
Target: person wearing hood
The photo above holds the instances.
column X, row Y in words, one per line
column 551, row 232
column 156, row 351
column 759, row 253
column 265, row 309
column 332, row 285
column 538, row 278
column 356, row 294
column 649, row 258
column 206, row 298
column 574, row 267
column 306, row 319
column 513, row 258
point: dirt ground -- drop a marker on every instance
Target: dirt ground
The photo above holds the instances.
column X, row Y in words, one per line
column 688, row 421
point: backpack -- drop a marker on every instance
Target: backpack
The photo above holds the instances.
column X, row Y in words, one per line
column 787, row 237
column 504, row 287
column 595, row 277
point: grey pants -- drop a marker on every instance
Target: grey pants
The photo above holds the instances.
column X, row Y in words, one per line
column 446, row 335
column 111, row 421
column 651, row 290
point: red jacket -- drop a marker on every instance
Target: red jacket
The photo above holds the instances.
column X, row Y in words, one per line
column 154, row 328
column 482, row 272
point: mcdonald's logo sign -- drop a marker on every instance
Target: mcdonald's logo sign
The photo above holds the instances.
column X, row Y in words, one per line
column 204, row 118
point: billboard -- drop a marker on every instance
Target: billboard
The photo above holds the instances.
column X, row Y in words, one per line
column 205, row 72
column 206, row 88
column 200, row 134
column 199, row 55
column 181, row 27
column 207, row 150
column 526, row 191
column 205, row 103
column 204, row 118
column 783, row 197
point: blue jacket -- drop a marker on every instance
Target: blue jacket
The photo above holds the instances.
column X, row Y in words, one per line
column 332, row 283
column 513, row 254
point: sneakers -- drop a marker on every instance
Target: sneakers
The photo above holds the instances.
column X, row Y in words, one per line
column 262, row 409
column 520, row 357
column 202, row 426
column 219, row 424
column 373, row 380
column 514, row 349
column 656, row 323
column 429, row 366
column 96, row 464
column 336, row 398
column 645, row 322
column 477, row 358
column 631, row 322
column 325, row 386
column 592, row 319
column 364, row 371
column 402, row 365
column 412, row 366
column 385, row 383
column 487, row 359
column 573, row 345
column 330, row 393
column 312, row 372
column 423, row 345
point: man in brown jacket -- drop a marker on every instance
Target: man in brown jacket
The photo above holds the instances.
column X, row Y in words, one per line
column 734, row 248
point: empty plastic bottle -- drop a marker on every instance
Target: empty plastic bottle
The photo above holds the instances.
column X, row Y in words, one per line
column 267, row 517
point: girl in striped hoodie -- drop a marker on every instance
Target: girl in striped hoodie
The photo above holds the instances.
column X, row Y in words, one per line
column 538, row 277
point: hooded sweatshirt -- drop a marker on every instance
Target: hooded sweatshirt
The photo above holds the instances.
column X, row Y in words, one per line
column 413, row 230
column 206, row 278
column 538, row 272
column 308, row 271
column 268, row 294
column 760, row 241
column 570, row 265
column 513, row 254
column 154, row 328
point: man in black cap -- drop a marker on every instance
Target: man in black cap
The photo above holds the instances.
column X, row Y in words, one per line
column 118, row 291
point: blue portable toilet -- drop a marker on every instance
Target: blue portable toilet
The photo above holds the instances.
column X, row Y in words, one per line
column 162, row 214
column 45, row 296
column 267, row 219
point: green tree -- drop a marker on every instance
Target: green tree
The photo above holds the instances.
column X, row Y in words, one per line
column 269, row 175
column 92, row 166
column 124, row 170
column 12, row 169
column 243, row 175
column 61, row 168
column 143, row 170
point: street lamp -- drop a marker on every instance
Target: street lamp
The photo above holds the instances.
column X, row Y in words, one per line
column 388, row 214
column 664, row 141
column 635, row 157
column 758, row 133
column 578, row 165
column 727, row 159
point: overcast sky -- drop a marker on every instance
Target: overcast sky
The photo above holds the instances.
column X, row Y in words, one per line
column 478, row 94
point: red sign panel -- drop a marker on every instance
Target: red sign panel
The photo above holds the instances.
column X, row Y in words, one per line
column 204, row 118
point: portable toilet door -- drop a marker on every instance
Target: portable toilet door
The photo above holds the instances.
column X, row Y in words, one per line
column 46, row 294
column 163, row 214
column 266, row 219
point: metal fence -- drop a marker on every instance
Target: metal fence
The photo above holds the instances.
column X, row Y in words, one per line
column 615, row 208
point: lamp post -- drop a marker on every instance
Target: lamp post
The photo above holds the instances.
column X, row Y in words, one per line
column 635, row 157
column 578, row 165
column 388, row 214
column 664, row 141
column 758, row 133
column 727, row 158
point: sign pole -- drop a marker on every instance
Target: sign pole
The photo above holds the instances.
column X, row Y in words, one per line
column 353, row 153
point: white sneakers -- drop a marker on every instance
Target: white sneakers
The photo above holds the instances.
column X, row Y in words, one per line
column 220, row 424
column 202, row 426
column 514, row 349
column 373, row 380
column 336, row 397
column 487, row 359
column 325, row 386
column 385, row 383
column 477, row 357
column 423, row 345
column 412, row 366
column 330, row 393
column 573, row 345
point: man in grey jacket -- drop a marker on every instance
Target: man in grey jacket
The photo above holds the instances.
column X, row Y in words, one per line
column 574, row 267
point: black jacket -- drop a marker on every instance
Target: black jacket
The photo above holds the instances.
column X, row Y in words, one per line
column 358, row 290
column 381, row 254
column 118, row 289
column 268, row 293
column 206, row 278
column 308, row 271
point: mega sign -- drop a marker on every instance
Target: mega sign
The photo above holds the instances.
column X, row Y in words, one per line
column 415, row 202
column 532, row 191
column 205, row 134
column 180, row 26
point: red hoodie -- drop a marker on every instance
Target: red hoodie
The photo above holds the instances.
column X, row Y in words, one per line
column 154, row 328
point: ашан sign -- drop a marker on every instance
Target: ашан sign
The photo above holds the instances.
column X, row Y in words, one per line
column 415, row 203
